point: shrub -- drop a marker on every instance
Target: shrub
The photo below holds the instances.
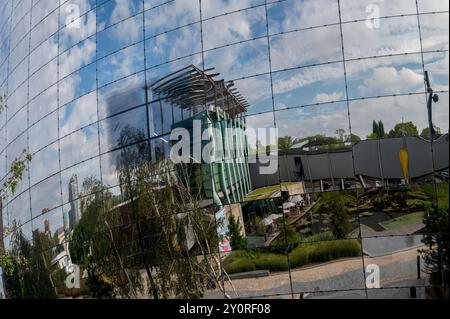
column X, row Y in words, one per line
column 289, row 232
column 335, row 249
column 243, row 261
column 299, row 256
column 323, row 236
column 379, row 201
column 436, row 239
column 324, row 251
column 272, row 262
column 416, row 204
column 237, row 241
column 240, row 265
column 339, row 215
column 259, row 226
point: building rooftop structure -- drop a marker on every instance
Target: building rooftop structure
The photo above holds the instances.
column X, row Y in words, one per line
column 193, row 88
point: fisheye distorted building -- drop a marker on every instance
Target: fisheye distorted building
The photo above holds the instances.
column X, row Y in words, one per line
column 94, row 89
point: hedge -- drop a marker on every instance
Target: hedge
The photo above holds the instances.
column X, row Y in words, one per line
column 324, row 251
column 244, row 261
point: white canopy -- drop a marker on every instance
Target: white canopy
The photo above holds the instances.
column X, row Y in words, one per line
column 269, row 219
column 296, row 199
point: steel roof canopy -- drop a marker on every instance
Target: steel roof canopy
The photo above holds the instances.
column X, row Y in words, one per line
column 191, row 87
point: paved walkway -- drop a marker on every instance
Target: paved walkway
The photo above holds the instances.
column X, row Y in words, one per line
column 337, row 275
column 409, row 229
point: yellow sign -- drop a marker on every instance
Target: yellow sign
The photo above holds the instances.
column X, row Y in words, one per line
column 404, row 161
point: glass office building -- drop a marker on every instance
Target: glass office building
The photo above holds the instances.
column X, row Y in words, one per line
column 93, row 89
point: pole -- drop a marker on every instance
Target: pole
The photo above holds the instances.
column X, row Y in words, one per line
column 429, row 105
column 418, row 266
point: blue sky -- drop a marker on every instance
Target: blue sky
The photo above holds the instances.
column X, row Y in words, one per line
column 303, row 34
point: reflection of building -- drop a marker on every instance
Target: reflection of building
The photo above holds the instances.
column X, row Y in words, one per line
column 47, row 230
column 370, row 160
column 60, row 253
column 75, row 209
column 217, row 108
column 178, row 100
column 304, row 71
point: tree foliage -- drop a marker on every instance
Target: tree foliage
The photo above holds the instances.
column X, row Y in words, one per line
column 381, row 133
column 285, row 143
column 20, row 263
column 339, row 215
column 426, row 131
column 288, row 234
column 237, row 241
column 28, row 269
column 436, row 238
column 405, row 129
column 156, row 240
column 377, row 130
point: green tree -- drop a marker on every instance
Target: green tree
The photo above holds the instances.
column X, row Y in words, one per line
column 339, row 215
column 436, row 238
column 426, row 131
column 15, row 174
column 237, row 241
column 375, row 129
column 160, row 220
column 404, row 129
column 340, row 133
column 94, row 247
column 28, row 272
column 15, row 264
column 285, row 143
column 380, row 201
column 288, row 235
column 372, row 136
column 320, row 140
column 381, row 132
column 353, row 138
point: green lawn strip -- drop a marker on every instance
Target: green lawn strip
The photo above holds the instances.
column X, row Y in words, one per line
column 262, row 193
column 243, row 261
column 265, row 192
column 402, row 221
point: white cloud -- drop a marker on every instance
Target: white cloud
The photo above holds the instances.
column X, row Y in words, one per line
column 324, row 97
column 397, row 35
column 391, row 80
column 306, row 76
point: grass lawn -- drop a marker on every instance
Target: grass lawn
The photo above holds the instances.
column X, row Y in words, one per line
column 262, row 193
column 402, row 221
column 265, row 192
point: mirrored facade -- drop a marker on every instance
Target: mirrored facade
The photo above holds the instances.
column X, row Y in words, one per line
column 224, row 149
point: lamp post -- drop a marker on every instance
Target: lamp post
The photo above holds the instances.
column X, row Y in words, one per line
column 431, row 98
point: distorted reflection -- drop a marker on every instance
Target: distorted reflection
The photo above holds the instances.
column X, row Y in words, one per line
column 219, row 149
